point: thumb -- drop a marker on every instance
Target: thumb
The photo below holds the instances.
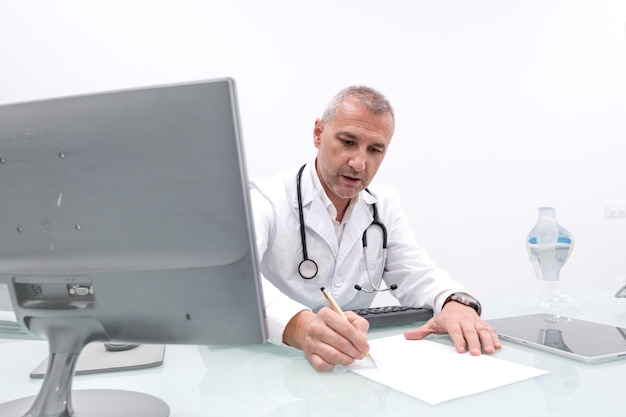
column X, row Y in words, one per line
column 417, row 334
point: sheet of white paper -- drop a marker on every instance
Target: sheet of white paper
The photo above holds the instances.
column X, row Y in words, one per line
column 434, row 372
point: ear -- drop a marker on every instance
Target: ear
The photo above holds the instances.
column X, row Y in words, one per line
column 317, row 133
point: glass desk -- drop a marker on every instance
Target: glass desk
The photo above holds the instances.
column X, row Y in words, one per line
column 275, row 381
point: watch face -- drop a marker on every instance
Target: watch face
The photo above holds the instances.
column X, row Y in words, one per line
column 467, row 300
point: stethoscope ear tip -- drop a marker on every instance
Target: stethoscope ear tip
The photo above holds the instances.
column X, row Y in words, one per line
column 375, row 289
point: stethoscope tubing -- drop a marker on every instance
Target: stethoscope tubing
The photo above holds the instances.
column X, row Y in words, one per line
column 308, row 268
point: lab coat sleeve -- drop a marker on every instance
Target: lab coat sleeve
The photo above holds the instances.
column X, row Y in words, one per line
column 279, row 308
column 420, row 281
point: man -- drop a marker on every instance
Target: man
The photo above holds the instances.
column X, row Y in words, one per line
column 309, row 227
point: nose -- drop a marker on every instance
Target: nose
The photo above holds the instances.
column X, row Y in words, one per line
column 357, row 161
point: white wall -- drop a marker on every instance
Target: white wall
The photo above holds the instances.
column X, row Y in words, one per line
column 502, row 106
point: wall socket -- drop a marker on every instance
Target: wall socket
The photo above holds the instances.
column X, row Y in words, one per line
column 615, row 208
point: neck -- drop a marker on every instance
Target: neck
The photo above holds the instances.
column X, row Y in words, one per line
column 341, row 204
column 342, row 211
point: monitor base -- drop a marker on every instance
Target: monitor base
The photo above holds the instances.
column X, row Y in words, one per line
column 98, row 403
column 95, row 358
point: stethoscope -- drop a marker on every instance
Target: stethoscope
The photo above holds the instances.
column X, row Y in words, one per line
column 308, row 268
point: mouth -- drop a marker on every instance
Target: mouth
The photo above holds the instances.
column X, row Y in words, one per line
column 352, row 180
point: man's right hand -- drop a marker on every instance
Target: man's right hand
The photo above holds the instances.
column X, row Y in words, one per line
column 327, row 339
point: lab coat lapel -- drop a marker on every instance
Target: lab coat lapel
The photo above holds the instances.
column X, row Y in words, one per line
column 356, row 225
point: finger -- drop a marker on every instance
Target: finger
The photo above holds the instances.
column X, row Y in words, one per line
column 325, row 344
column 319, row 363
column 325, row 356
column 473, row 341
column 358, row 322
column 362, row 326
column 345, row 337
column 489, row 339
column 481, row 334
column 460, row 339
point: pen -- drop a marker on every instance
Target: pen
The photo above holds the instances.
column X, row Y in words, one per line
column 333, row 304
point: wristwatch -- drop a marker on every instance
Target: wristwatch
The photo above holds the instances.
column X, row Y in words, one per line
column 463, row 298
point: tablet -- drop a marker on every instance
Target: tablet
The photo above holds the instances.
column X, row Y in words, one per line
column 573, row 338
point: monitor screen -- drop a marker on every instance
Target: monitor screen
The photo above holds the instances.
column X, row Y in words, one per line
column 126, row 218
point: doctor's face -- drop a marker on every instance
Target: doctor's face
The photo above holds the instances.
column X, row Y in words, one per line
column 351, row 147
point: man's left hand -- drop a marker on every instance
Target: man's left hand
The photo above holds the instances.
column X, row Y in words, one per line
column 467, row 330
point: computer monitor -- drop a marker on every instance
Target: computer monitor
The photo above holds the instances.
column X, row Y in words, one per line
column 124, row 217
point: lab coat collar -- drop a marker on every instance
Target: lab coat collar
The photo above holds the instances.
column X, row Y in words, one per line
column 357, row 225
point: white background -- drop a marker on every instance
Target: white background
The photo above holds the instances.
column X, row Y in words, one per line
column 501, row 106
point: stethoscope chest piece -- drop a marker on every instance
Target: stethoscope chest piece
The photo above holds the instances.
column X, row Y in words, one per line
column 307, row 269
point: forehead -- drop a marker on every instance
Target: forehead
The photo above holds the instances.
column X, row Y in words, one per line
column 354, row 119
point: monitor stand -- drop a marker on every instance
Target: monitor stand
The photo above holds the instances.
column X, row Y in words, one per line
column 96, row 358
column 66, row 339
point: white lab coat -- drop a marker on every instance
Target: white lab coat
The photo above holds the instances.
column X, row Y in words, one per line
column 277, row 229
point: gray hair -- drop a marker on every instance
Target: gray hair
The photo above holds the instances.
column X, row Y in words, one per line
column 373, row 101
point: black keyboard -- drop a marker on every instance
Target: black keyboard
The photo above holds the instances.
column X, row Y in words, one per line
column 393, row 315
